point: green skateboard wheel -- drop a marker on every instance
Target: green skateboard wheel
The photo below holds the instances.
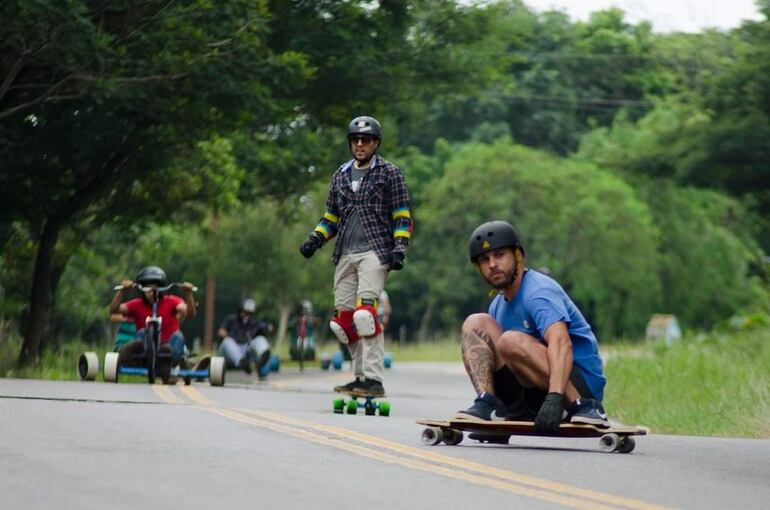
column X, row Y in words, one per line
column 339, row 405
column 352, row 406
column 384, row 408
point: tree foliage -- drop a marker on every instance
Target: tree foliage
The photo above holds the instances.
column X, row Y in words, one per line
column 126, row 126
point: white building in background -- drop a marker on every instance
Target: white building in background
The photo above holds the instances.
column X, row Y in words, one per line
column 663, row 326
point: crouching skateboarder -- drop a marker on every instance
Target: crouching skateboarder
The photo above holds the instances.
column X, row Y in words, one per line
column 367, row 209
column 533, row 356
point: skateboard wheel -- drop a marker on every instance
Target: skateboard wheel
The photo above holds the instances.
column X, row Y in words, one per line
column 111, row 367
column 326, row 361
column 452, row 436
column 217, row 371
column 338, row 405
column 609, row 442
column 187, row 381
column 369, row 408
column 388, row 360
column 627, row 444
column 432, row 436
column 384, row 408
column 88, row 366
column 352, row 406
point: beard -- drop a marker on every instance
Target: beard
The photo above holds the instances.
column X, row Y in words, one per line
column 508, row 278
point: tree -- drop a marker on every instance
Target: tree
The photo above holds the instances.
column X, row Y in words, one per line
column 100, row 104
column 582, row 223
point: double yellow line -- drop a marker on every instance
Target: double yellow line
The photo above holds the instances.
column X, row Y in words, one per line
column 414, row 458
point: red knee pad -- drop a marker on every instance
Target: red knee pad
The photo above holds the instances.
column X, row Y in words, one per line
column 343, row 327
column 366, row 321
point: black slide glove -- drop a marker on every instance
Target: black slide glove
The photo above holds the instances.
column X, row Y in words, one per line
column 550, row 414
column 396, row 261
column 309, row 247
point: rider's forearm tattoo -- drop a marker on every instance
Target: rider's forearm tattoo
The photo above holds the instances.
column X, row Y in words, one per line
column 479, row 359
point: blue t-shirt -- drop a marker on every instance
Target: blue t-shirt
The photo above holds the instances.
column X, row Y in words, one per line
column 540, row 302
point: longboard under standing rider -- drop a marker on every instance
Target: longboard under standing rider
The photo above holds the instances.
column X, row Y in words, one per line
column 368, row 211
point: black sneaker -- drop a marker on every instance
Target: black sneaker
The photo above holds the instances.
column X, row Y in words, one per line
column 352, row 385
column 371, row 387
column 589, row 411
column 486, row 407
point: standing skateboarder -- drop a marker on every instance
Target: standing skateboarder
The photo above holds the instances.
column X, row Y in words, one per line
column 368, row 210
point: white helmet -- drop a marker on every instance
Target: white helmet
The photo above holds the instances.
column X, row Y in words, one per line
column 249, row 306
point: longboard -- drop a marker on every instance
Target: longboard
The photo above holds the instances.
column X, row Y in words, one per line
column 616, row 438
column 369, row 404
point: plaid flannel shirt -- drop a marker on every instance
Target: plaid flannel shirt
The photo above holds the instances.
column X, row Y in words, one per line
column 383, row 208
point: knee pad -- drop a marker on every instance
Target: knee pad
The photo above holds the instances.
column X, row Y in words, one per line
column 365, row 318
column 342, row 326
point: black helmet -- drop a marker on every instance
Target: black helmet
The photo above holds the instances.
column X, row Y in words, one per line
column 491, row 236
column 365, row 126
column 151, row 274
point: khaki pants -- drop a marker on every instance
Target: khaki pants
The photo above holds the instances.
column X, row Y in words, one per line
column 362, row 276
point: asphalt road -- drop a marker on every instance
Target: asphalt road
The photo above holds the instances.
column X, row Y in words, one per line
column 278, row 445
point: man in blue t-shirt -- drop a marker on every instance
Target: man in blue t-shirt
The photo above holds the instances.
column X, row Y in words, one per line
column 533, row 356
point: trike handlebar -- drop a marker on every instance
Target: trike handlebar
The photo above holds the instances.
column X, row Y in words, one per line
column 149, row 289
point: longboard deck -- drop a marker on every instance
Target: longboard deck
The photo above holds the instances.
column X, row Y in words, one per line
column 616, row 438
column 527, row 428
column 359, row 394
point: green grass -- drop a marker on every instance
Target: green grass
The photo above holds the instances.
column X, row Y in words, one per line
column 60, row 366
column 715, row 385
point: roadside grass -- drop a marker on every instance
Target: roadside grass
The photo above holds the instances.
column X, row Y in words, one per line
column 59, row 366
column 715, row 384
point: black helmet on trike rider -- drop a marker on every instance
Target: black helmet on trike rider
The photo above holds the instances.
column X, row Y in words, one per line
column 151, row 274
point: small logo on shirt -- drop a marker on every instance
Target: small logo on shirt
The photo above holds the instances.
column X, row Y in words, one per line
column 526, row 324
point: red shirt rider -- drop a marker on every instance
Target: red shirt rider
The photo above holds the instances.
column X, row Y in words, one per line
column 138, row 310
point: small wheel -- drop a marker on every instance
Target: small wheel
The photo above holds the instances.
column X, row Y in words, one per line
column 352, row 406
column 453, row 437
column 388, row 360
column 627, row 444
column 88, row 366
column 609, row 442
column 384, row 408
column 369, row 408
column 111, row 367
column 326, row 362
column 432, row 436
column 217, row 371
column 339, row 405
column 187, row 380
column 274, row 363
column 337, row 359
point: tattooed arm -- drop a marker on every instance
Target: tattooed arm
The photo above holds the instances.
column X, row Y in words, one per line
column 479, row 359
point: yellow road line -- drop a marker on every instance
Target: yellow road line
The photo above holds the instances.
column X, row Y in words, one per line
column 165, row 394
column 406, row 462
column 460, row 463
column 508, row 481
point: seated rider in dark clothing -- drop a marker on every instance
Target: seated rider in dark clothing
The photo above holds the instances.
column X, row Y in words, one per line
column 244, row 339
